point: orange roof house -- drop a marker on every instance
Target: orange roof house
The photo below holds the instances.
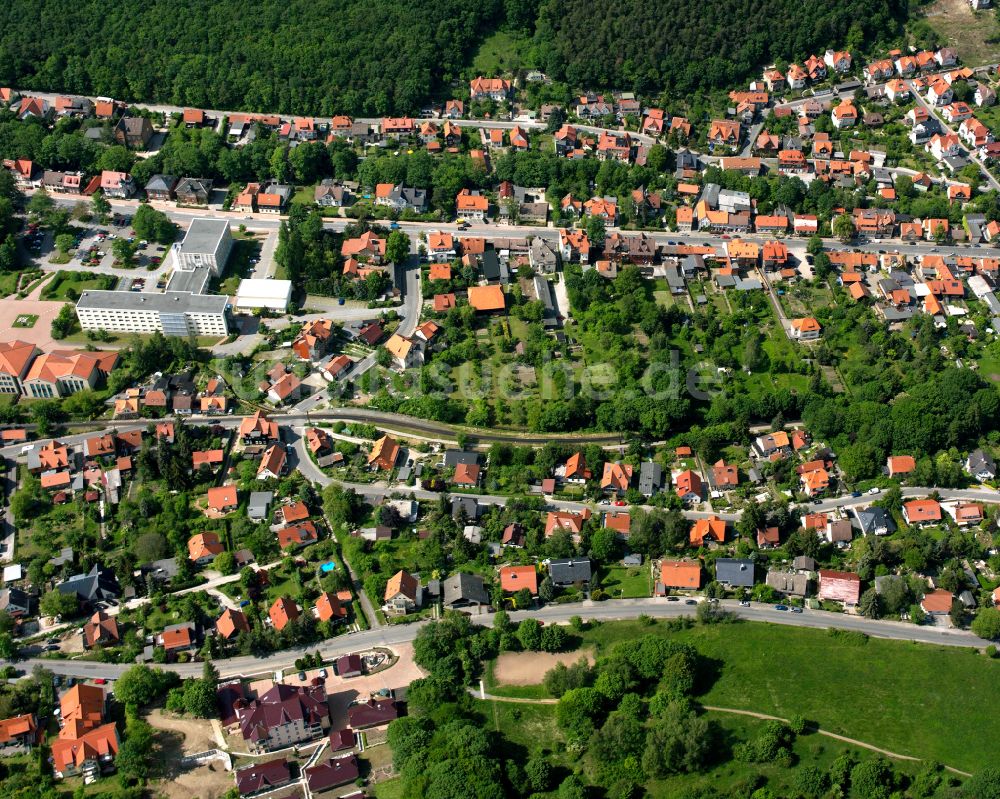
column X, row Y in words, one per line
column 680, row 574
column 71, row 755
column 566, row 520
column 204, row 546
column 486, row 298
column 901, row 465
column 937, row 601
column 81, row 708
column 576, row 467
column 617, row 477
column 384, row 454
column 231, row 623
column 705, row 530
column 283, row 611
column 21, row 728
column 921, row 511
column 223, row 499
column 297, row 535
column 101, row 629
column 689, row 485
column 725, row 475
column 514, row 578
column 329, row 608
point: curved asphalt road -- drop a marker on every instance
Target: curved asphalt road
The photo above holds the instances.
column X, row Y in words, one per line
column 553, row 614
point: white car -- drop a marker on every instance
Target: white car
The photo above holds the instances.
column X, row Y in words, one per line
column 27, row 448
column 875, row 490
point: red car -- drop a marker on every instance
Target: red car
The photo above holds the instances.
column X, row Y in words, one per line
column 100, row 681
column 620, row 503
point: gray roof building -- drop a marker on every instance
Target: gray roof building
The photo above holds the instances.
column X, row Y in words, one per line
column 453, row 457
column 790, row 583
column 980, row 464
column 469, row 504
column 259, row 505
column 465, row 590
column 874, row 521
column 567, row 571
column 804, row 563
column 650, row 478
column 98, row 583
column 736, row 572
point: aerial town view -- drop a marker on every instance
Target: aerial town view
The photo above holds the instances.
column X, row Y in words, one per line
column 530, row 398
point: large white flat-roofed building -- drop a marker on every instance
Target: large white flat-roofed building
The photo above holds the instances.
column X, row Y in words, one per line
column 206, row 243
column 173, row 313
column 272, row 295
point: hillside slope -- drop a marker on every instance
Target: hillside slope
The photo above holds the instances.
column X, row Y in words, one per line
column 290, row 56
column 651, row 45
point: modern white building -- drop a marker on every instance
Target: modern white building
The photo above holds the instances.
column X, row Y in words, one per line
column 272, row 295
column 173, row 313
column 206, row 243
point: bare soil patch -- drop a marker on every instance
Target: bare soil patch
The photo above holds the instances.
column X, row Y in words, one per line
column 177, row 737
column 527, row 668
column 196, row 734
column 973, row 34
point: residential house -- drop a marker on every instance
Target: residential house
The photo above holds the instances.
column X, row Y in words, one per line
column 160, row 188
column 805, row 329
column 734, row 572
column 900, row 465
column 374, row 712
column 282, row 612
column 203, row 547
column 222, row 500
column 403, row 594
column 117, row 185
column 980, row 465
column 495, row 89
column 401, row 198
column 874, row 521
column 707, row 531
column 689, row 486
column 919, row 512
column 680, row 574
column 464, row 590
column 515, row 578
column 569, row 571
column 262, row 777
column 617, row 478
column 283, row 716
column 231, row 623
column 193, row 191
column 837, row 586
column 133, row 132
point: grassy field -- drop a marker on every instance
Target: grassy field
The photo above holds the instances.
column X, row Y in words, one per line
column 501, row 53
column 534, row 728
column 64, row 282
column 926, row 701
column 972, row 33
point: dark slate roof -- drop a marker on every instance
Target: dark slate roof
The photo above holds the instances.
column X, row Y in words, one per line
column 465, row 588
column 734, row 571
column 569, row 570
column 650, row 477
column 470, row 505
column 98, row 583
column 453, row 457
column 874, row 518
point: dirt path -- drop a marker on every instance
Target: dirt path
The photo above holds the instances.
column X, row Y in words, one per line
column 738, row 712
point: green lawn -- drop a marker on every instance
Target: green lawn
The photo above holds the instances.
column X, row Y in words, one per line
column 68, row 286
column 390, row 789
column 927, row 701
column 626, row 582
column 534, row 728
column 501, row 53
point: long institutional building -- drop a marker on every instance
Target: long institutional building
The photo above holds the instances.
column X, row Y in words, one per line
column 184, row 309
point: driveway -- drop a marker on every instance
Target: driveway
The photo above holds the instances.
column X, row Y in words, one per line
column 41, row 333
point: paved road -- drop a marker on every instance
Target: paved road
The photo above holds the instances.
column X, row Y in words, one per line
column 554, row 614
column 973, row 156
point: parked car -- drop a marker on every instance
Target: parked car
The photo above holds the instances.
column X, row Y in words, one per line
column 781, row 607
column 796, row 610
column 875, row 490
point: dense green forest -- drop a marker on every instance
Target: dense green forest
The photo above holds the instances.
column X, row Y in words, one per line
column 289, row 56
column 669, row 44
column 350, row 56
